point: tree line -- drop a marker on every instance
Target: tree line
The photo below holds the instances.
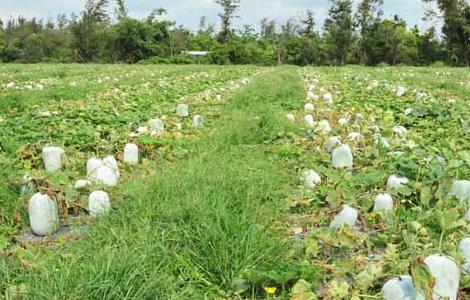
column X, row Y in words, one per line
column 350, row 35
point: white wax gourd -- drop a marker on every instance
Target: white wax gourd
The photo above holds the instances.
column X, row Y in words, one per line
column 328, row 98
column 198, row 121
column 400, row 91
column 309, row 120
column 80, row 184
column 436, row 161
column 308, row 107
column 324, row 126
column 408, row 111
column 400, row 131
column 343, row 121
column 342, row 157
column 383, row 202
column 464, row 248
column 311, row 179
column 381, row 142
column 43, row 215
column 347, row 216
column 52, row 157
column 310, row 96
column 142, row 130
column 401, row 288
column 354, row 136
column 98, row 203
column 104, row 175
column 92, row 165
column 461, row 190
column 374, row 128
column 467, row 215
column 131, row 154
column 447, row 275
column 111, row 162
column 290, row 117
column 396, row 182
column 333, row 142
column 182, row 110
column 358, row 118
column 420, row 95
column 157, row 125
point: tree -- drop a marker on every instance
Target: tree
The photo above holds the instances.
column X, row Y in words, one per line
column 289, row 42
column 205, row 39
column 86, row 31
column 121, row 9
column 62, row 22
column 93, row 35
column 310, row 50
column 269, row 36
column 368, row 13
column 2, row 40
column 339, row 30
column 268, row 29
column 230, row 9
column 393, row 44
column 97, row 11
column 202, row 24
column 309, row 24
column 456, row 29
column 430, row 49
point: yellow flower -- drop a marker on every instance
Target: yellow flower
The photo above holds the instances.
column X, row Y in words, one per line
column 270, row 289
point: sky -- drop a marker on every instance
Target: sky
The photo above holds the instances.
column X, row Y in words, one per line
column 188, row 12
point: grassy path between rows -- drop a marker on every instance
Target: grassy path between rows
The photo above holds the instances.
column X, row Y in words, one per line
column 201, row 229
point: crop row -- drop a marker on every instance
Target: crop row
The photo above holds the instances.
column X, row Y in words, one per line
column 101, row 124
column 397, row 135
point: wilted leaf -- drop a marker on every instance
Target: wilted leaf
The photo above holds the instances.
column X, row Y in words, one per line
column 338, row 289
column 365, row 279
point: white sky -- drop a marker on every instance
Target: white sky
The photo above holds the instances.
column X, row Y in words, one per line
column 188, row 12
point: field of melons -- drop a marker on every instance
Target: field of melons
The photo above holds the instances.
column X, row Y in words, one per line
column 279, row 183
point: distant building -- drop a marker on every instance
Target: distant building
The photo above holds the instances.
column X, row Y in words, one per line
column 196, row 53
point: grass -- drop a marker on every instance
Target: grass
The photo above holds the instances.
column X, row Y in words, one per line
column 194, row 230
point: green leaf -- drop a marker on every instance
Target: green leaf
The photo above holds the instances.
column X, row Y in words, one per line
column 447, row 218
column 465, row 155
column 312, row 247
column 455, row 164
column 302, row 290
column 422, row 277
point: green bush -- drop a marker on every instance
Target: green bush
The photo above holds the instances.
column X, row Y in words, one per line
column 382, row 65
column 179, row 59
column 439, row 64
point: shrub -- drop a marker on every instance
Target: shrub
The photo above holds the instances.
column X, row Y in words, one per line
column 439, row 64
